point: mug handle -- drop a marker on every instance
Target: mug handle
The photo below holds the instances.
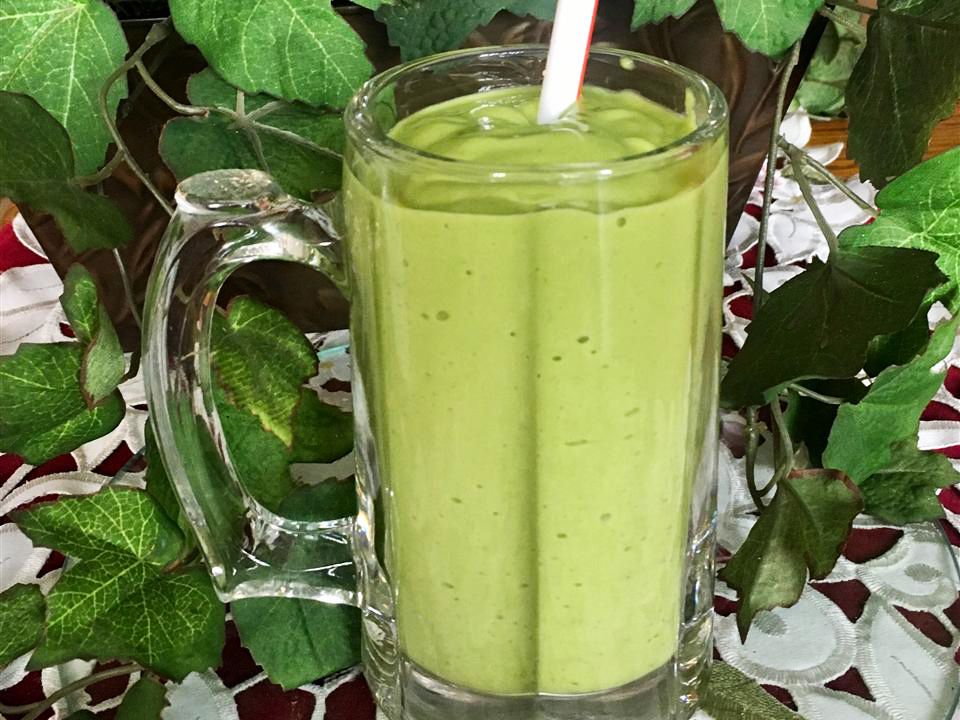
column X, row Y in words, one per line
column 226, row 219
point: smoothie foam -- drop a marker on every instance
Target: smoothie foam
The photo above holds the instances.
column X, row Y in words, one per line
column 540, row 347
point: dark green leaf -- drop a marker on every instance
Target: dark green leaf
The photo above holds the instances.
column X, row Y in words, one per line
column 298, row 641
column 900, row 347
column 262, row 360
column 768, row 26
column 260, row 458
column 102, row 368
column 819, row 323
column 423, row 27
column 329, row 500
column 193, row 145
column 60, row 52
column 321, row 433
column 117, row 601
column 21, row 621
column 804, row 528
column 144, row 701
column 43, row 412
column 822, row 89
column 654, row 11
column 863, row 435
column 919, row 210
column 809, row 420
column 905, row 490
column 39, row 173
column 731, row 695
column 294, row 49
column 907, row 80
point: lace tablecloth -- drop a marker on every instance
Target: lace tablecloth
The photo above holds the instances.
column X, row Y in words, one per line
column 878, row 640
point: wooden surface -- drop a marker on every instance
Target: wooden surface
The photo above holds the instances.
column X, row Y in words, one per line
column 945, row 136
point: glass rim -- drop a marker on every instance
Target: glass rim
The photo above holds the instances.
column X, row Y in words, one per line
column 363, row 130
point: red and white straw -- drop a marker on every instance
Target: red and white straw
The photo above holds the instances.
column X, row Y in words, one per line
column 567, row 58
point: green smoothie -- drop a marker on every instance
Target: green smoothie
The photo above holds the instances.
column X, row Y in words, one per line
column 531, row 346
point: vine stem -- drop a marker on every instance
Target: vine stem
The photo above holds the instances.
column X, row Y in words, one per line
column 791, row 63
column 822, row 171
column 753, row 444
column 168, row 100
column 813, row 395
column 785, row 447
column 796, row 159
column 157, row 34
column 79, row 685
column 857, row 29
column 127, row 288
column 102, row 174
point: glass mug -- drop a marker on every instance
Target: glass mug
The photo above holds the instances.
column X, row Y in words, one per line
column 535, row 363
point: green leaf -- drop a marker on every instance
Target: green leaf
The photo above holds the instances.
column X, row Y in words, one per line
column 144, row 701
column 819, row 323
column 329, row 500
column 823, row 86
column 863, row 435
column 919, row 210
column 43, row 412
column 809, row 420
column 804, row 528
column 193, row 145
column 21, row 621
column 905, row 490
column 260, row 457
column 900, row 347
column 103, row 366
column 159, row 487
column 60, row 52
column 39, row 173
column 321, row 433
column 907, row 81
column 298, row 641
column 294, row 49
column 423, row 27
column 655, row 11
column 731, row 695
column 118, row 601
column 767, row 26
column 262, row 360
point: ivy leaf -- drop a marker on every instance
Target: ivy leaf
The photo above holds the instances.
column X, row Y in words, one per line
column 43, row 412
column 423, row 27
column 102, row 368
column 905, row 490
column 809, row 420
column 823, row 86
column 900, row 347
column 40, row 172
column 294, row 49
column 60, row 52
column 907, row 81
column 329, row 500
column 804, row 528
column 144, row 701
column 767, row 26
column 262, row 360
column 321, row 433
column 119, row 600
column 159, row 487
column 819, row 323
column 298, row 641
column 863, row 435
column 732, row 695
column 193, row 145
column 919, row 210
column 21, row 621
column 260, row 457
column 655, row 11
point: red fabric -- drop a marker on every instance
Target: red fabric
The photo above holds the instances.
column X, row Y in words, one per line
column 13, row 253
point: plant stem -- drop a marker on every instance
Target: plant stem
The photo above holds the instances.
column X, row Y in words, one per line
column 79, row 685
column 813, row 395
column 753, row 443
column 791, row 63
column 796, row 158
column 127, row 288
column 856, row 28
column 823, row 172
column 167, row 99
column 102, row 174
column 16, row 709
column 156, row 35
